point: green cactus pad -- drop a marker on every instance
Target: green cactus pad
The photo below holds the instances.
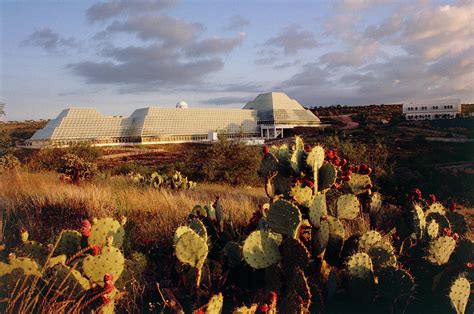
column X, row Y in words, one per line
column 294, row 254
column 395, row 284
column 336, row 236
column 327, row 175
column 432, row 229
column 260, row 250
column 284, row 217
column 198, row 211
column 233, row 253
column 67, row 280
column 27, row 265
column 436, row 207
column 318, row 209
column 198, row 227
column 252, row 309
column 347, row 207
column 215, row 304
column 191, row 249
column 358, row 182
column 375, row 202
column 440, row 219
column 368, row 240
column 34, row 250
column 69, row 243
column 303, row 195
column 320, row 237
column 459, row 294
column 103, row 227
column 315, row 159
column 297, row 156
column 298, row 283
column 269, row 165
column 109, row 261
column 417, row 220
column 359, row 266
column 458, row 223
column 180, row 231
column 210, row 212
column 440, row 249
column 52, row 261
column 382, row 255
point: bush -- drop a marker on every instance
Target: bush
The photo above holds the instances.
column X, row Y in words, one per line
column 8, row 162
column 51, row 158
column 227, row 161
column 75, row 168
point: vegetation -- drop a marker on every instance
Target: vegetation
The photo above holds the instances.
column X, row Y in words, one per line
column 158, row 181
column 75, row 169
column 324, row 239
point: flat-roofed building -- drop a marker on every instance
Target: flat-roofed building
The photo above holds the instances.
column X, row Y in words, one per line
column 266, row 116
column 434, row 109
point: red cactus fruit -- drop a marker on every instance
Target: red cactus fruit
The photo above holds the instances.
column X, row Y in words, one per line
column 86, row 228
column 273, row 298
column 348, row 172
column 331, row 154
column 369, row 186
column 109, row 286
column 263, row 308
column 452, row 206
column 368, row 171
column 447, row 231
column 309, row 183
column 266, row 150
column 431, row 199
column 456, row 237
column 336, row 161
column 108, row 277
column 324, row 217
column 470, row 265
column 343, row 162
column 95, row 250
column 307, row 148
column 346, row 178
column 105, row 299
column 363, row 167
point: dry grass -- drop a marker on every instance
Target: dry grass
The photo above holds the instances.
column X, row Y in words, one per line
column 42, row 204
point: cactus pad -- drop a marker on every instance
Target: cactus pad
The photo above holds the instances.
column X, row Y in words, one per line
column 318, row 209
column 246, row 310
column 347, row 207
column 294, row 254
column 27, row 265
column 180, row 231
column 109, row 261
column 198, row 227
column 336, row 236
column 358, row 183
column 375, row 202
column 368, row 240
column 69, row 281
column 53, row 261
column 284, row 217
column 103, row 227
column 417, row 220
column 269, row 165
column 191, row 249
column 432, row 229
column 327, row 175
column 458, row 222
column 260, row 250
column 441, row 219
column 197, row 212
column 233, row 253
column 320, row 237
column 69, row 243
column 440, row 249
column 297, row 156
column 34, row 250
column 464, row 252
column 303, row 195
column 459, row 294
column 436, row 207
column 215, row 304
column 315, row 158
column 359, row 266
column 298, row 284
column 395, row 284
column 382, row 255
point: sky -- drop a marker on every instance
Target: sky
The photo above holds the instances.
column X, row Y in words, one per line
column 118, row 55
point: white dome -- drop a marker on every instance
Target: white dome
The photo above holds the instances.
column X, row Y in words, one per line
column 182, row 104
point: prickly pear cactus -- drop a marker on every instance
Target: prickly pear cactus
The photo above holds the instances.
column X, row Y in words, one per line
column 191, row 249
column 284, row 217
column 67, row 280
column 359, row 182
column 347, row 207
column 432, row 229
column 440, row 249
column 294, row 254
column 103, row 227
column 302, row 195
column 395, row 285
column 69, row 243
column 458, row 222
column 382, row 255
column 233, row 253
column 327, row 175
column 459, row 294
column 199, row 228
column 417, row 220
column 368, row 240
column 436, row 207
column 109, row 261
column 180, row 231
column 269, row 165
column 260, row 250
column 27, row 265
column 375, row 202
column 360, row 266
column 318, row 209
column 214, row 306
column 320, row 238
column 336, row 236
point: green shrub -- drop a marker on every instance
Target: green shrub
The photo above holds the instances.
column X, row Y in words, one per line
column 8, row 162
column 76, row 169
column 51, row 158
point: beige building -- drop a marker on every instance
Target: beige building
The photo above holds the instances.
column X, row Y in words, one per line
column 430, row 110
column 266, row 117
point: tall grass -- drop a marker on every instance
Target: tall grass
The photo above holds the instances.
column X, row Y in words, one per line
column 40, row 203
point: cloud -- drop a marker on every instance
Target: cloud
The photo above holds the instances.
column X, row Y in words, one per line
column 169, row 29
column 237, row 23
column 109, row 9
column 48, row 40
column 292, row 39
column 354, row 56
column 231, row 100
column 153, row 64
column 311, row 75
column 214, row 46
column 358, row 5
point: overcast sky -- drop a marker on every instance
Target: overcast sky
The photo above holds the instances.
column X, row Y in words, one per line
column 118, row 55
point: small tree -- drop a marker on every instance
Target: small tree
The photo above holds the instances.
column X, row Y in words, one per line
column 76, row 169
column 8, row 162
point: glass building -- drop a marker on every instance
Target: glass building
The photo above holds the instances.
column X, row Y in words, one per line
column 266, row 117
